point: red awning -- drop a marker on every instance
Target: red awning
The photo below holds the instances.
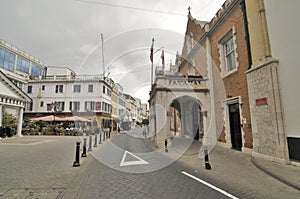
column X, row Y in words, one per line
column 49, row 118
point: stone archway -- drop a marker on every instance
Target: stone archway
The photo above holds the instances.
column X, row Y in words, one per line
column 189, row 117
column 188, row 95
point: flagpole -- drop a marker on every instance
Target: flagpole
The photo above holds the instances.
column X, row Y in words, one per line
column 151, row 73
column 103, row 67
column 152, row 54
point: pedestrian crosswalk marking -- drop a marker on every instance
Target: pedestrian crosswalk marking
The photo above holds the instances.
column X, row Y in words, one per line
column 140, row 161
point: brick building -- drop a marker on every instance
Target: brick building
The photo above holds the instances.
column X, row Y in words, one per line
column 219, row 50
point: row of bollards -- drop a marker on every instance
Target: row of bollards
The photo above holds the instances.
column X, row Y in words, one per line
column 106, row 136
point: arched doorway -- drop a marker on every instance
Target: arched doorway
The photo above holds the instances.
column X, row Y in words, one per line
column 186, row 118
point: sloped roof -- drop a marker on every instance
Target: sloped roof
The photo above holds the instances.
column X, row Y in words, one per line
column 10, row 90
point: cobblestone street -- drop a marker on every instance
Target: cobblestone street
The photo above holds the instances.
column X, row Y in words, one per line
column 41, row 167
column 36, row 166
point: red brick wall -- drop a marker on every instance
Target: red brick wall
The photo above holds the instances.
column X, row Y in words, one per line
column 236, row 83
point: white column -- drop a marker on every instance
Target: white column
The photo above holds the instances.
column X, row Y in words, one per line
column 182, row 120
column 1, row 115
column 204, row 116
column 20, row 120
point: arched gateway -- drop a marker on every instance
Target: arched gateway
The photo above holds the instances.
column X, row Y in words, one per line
column 179, row 106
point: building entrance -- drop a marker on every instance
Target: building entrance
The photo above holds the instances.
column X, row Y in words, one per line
column 235, row 126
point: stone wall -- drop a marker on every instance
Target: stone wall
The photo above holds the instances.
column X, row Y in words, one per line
column 269, row 139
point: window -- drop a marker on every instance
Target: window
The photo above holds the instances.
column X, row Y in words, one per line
column 59, row 106
column 22, row 65
column 227, row 50
column 37, row 71
column 89, row 105
column 104, row 89
column 230, row 55
column 29, row 89
column 76, row 88
column 90, row 88
column 42, row 104
column 108, row 92
column 191, row 68
column 59, row 88
column 43, row 87
column 7, row 59
column 29, row 106
column 74, row 106
column 121, row 102
column 190, row 42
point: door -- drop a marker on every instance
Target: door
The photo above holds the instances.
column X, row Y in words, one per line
column 235, row 126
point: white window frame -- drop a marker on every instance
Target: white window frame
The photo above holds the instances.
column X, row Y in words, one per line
column 90, row 105
column 90, row 88
column 76, row 88
column 59, row 88
column 225, row 69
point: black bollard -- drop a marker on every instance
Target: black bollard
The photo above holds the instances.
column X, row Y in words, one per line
column 76, row 163
column 104, row 136
column 100, row 137
column 90, row 144
column 166, row 145
column 84, row 148
column 95, row 145
column 207, row 165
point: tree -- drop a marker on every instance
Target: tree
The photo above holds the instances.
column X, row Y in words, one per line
column 9, row 119
column 145, row 121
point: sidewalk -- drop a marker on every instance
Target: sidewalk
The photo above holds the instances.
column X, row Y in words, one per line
column 236, row 169
column 287, row 174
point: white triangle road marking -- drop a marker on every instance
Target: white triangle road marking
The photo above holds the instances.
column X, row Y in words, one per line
column 140, row 161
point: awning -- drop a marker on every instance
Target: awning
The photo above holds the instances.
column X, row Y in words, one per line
column 49, row 118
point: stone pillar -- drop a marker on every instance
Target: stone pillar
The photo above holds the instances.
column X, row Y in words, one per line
column 20, row 120
column 269, row 137
column 204, row 116
column 182, row 119
column 1, row 114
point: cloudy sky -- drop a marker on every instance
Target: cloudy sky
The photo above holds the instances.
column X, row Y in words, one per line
column 67, row 33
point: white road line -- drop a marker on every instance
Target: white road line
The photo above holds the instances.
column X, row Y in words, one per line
column 128, row 163
column 210, row 185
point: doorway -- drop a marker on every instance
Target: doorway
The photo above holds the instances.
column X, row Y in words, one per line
column 235, row 126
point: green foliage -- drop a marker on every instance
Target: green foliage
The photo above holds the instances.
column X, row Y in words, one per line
column 145, row 121
column 9, row 119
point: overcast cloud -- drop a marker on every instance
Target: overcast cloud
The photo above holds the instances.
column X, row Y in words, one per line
column 67, row 33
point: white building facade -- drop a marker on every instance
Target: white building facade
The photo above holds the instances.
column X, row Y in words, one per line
column 64, row 95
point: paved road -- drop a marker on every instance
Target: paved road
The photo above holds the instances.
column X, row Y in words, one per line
column 109, row 180
column 36, row 166
column 127, row 166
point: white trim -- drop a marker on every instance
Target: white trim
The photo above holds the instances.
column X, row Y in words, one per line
column 226, row 103
column 223, row 66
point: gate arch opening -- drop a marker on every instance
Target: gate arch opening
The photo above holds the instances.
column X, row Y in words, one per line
column 186, row 118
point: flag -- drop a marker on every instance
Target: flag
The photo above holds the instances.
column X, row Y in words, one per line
column 151, row 50
column 163, row 58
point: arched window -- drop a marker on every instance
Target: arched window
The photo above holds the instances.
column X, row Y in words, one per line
column 191, row 69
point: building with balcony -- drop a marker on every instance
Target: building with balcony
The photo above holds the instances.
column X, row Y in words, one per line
column 70, row 94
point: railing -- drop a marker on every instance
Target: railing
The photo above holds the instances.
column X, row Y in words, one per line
column 77, row 78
